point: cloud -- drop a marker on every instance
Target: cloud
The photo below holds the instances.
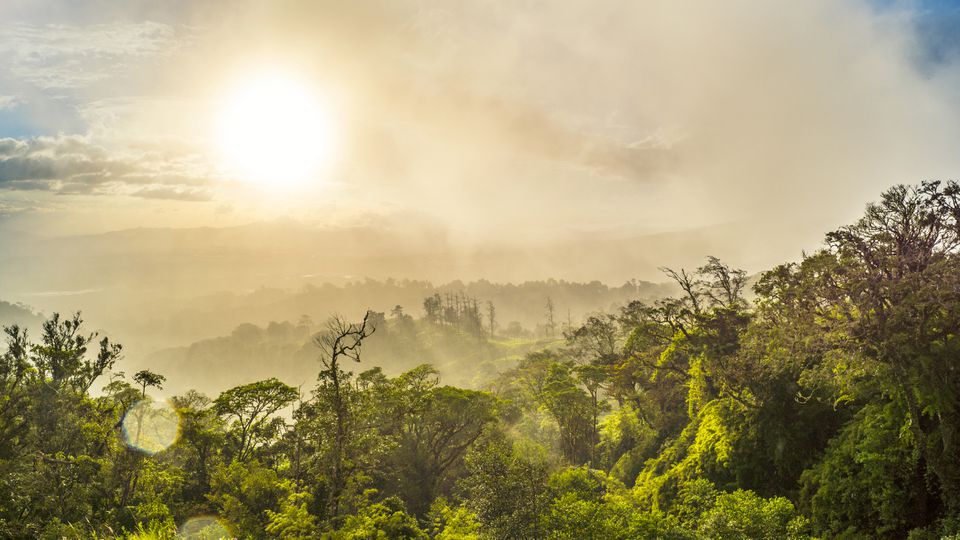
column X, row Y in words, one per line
column 8, row 209
column 516, row 126
column 179, row 193
column 530, row 121
column 73, row 165
column 9, row 102
column 788, row 112
column 57, row 56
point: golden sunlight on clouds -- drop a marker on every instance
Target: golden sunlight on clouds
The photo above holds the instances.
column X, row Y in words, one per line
column 275, row 129
column 496, row 127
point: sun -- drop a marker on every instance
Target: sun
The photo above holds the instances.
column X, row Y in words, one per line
column 275, row 130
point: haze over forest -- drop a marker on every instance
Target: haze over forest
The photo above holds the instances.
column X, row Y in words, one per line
column 585, row 233
column 459, row 144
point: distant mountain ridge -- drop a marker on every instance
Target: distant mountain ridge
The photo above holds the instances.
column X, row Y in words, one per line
column 166, row 287
column 191, row 261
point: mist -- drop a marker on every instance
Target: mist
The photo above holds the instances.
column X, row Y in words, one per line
column 548, row 141
column 431, row 269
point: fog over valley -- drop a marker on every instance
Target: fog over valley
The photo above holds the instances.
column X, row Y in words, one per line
column 479, row 270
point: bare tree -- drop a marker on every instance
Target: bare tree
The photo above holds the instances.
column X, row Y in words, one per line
column 722, row 285
column 551, row 326
column 688, row 284
column 492, row 318
column 340, row 341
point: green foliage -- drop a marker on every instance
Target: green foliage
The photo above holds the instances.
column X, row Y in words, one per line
column 156, row 485
column 625, row 443
column 154, row 531
column 146, row 378
column 554, row 385
column 251, row 406
column 589, row 504
column 694, row 498
column 293, row 521
column 506, row 490
column 742, row 515
column 384, row 520
column 431, row 427
column 243, row 493
column 864, row 482
column 705, row 449
column 452, row 523
column 700, row 416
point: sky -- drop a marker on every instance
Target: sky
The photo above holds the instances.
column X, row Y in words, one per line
column 500, row 125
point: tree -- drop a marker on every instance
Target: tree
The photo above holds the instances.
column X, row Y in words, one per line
column 891, row 282
column 553, row 384
column 506, row 490
column 452, row 523
column 15, row 377
column 433, row 307
column 293, row 521
column 587, row 503
column 148, row 378
column 54, row 438
column 742, row 514
column 248, row 497
column 689, row 284
column 384, row 519
column 201, row 435
column 492, row 319
column 866, row 479
column 596, row 341
column 550, row 328
column 61, row 357
column 341, row 341
column 144, row 378
column 251, row 406
column 433, row 427
column 722, row 285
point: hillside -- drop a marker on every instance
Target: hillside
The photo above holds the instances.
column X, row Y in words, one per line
column 288, row 351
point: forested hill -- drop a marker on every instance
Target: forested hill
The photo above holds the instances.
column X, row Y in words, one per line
column 216, row 314
column 462, row 355
column 151, row 320
column 825, row 406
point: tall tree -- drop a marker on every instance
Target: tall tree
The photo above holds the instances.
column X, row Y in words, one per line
column 147, row 378
column 894, row 287
column 550, row 328
column 341, row 341
column 251, row 406
column 492, row 319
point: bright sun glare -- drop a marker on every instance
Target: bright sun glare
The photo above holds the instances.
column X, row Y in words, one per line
column 275, row 130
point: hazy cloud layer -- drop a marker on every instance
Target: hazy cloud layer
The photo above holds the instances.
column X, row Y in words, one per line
column 8, row 102
column 62, row 56
column 508, row 123
column 72, row 165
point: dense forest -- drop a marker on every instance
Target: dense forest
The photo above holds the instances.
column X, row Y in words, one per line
column 824, row 403
column 216, row 314
column 463, row 355
column 466, row 329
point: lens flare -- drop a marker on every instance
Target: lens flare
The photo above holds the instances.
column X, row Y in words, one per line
column 204, row 528
column 151, row 426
